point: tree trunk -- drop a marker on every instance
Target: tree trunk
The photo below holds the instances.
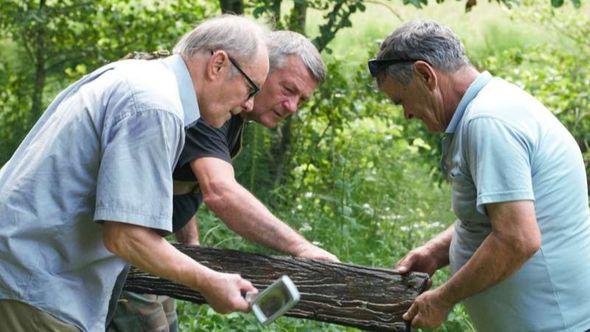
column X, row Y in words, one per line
column 38, row 87
column 298, row 16
column 40, row 71
column 345, row 294
column 232, row 6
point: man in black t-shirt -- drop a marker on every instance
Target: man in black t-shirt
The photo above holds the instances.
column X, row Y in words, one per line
column 204, row 171
column 295, row 70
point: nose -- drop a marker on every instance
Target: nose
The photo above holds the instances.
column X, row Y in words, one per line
column 248, row 105
column 291, row 105
column 407, row 114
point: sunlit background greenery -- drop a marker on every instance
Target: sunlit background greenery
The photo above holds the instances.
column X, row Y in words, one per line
column 349, row 172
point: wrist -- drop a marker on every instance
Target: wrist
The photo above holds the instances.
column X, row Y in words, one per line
column 299, row 247
column 439, row 252
column 202, row 278
column 443, row 297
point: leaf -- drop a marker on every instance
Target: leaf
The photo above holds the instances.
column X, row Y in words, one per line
column 556, row 3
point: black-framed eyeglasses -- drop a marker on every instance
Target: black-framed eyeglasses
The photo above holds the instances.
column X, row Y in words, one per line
column 254, row 89
column 378, row 65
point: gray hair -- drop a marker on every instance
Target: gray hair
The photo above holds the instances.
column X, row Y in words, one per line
column 422, row 40
column 282, row 44
column 239, row 36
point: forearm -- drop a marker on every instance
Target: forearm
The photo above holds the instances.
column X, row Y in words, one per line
column 495, row 260
column 514, row 238
column 151, row 253
column 240, row 210
column 189, row 234
column 439, row 246
column 247, row 216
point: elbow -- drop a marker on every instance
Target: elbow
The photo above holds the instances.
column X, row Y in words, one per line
column 218, row 195
column 110, row 237
column 528, row 246
column 533, row 245
column 118, row 237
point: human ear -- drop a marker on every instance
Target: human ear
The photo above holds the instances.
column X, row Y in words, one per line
column 216, row 64
column 425, row 73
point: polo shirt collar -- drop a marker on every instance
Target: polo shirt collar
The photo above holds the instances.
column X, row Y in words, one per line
column 475, row 87
column 188, row 97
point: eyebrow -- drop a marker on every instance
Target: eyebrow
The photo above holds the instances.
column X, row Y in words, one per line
column 293, row 86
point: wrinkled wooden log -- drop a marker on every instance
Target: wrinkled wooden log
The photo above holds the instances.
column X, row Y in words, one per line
column 345, row 294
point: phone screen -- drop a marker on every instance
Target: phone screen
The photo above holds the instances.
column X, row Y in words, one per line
column 274, row 300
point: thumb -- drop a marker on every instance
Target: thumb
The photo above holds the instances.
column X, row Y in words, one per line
column 402, row 268
column 246, row 286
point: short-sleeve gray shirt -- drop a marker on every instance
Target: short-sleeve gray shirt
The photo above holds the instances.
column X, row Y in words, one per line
column 508, row 147
column 105, row 149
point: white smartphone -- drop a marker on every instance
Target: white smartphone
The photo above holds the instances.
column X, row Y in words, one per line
column 275, row 300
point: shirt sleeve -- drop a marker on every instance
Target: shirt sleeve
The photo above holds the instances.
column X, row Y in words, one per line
column 202, row 140
column 135, row 175
column 499, row 161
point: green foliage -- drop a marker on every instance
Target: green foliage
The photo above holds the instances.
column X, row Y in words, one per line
column 70, row 38
column 470, row 3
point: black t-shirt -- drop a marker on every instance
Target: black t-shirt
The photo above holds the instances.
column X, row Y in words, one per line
column 202, row 140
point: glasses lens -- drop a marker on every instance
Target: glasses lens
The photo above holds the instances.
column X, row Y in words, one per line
column 254, row 89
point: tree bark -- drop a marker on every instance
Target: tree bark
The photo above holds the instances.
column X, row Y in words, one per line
column 345, row 294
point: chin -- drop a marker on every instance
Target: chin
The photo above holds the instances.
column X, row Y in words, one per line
column 269, row 124
column 434, row 129
column 216, row 122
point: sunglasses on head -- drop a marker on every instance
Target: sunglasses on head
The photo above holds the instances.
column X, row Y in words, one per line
column 378, row 65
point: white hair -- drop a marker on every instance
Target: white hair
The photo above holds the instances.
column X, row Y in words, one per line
column 422, row 40
column 282, row 44
column 238, row 35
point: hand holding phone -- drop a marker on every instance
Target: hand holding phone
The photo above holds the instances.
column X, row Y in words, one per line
column 274, row 301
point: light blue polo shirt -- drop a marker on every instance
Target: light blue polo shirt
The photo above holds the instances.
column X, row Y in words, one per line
column 504, row 145
column 105, row 149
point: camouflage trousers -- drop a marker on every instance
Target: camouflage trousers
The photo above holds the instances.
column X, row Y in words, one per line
column 144, row 313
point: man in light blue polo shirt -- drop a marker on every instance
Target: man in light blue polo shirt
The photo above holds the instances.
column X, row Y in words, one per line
column 90, row 187
column 520, row 249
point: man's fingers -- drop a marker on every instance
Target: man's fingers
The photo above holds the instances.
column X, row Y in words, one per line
column 403, row 266
column 402, row 269
column 409, row 315
column 241, row 304
column 417, row 321
column 335, row 259
column 247, row 286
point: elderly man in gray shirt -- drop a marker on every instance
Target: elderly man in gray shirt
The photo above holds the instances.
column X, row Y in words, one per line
column 90, row 187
